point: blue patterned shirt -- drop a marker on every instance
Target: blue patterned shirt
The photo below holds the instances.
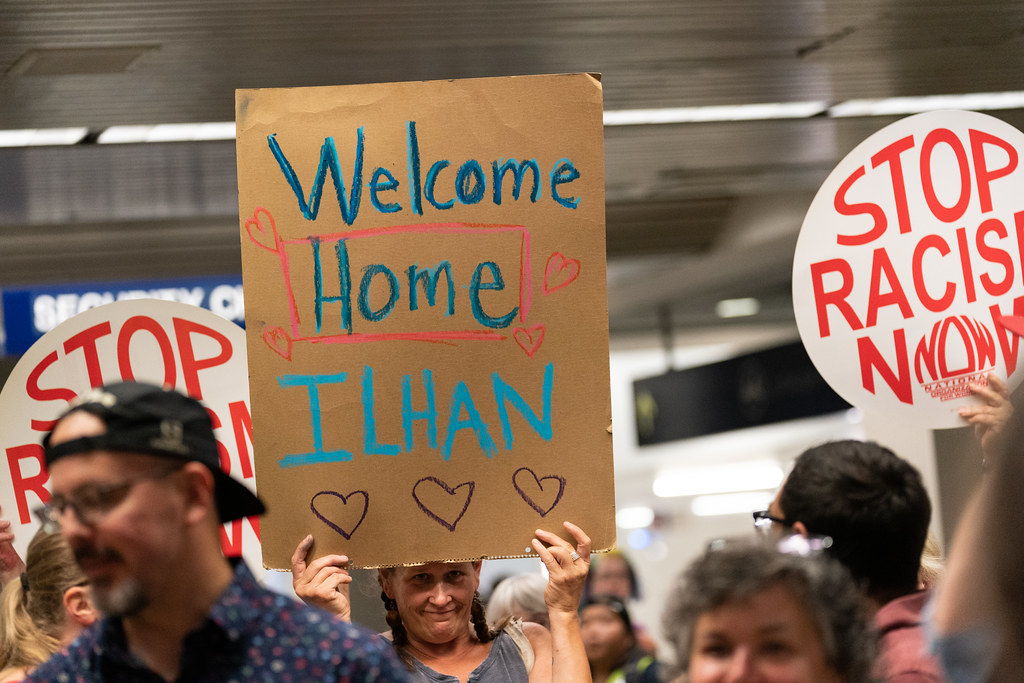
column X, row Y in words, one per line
column 251, row 634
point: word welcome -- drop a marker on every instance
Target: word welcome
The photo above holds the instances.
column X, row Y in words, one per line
column 466, row 186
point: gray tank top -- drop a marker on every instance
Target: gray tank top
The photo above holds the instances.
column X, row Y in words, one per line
column 504, row 663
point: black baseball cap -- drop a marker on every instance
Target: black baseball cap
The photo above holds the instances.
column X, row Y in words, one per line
column 145, row 418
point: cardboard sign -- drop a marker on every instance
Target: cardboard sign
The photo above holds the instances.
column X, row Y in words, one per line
column 163, row 342
column 909, row 266
column 424, row 273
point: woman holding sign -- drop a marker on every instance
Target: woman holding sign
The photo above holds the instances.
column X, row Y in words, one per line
column 438, row 624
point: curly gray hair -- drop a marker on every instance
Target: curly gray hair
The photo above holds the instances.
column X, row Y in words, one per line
column 738, row 570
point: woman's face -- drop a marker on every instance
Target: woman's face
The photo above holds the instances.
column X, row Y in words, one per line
column 434, row 600
column 604, row 635
column 768, row 638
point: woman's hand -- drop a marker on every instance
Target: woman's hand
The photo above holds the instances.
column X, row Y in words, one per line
column 567, row 570
column 991, row 416
column 324, row 582
column 567, row 567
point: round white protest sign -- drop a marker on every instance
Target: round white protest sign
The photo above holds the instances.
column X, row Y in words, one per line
column 908, row 269
column 162, row 342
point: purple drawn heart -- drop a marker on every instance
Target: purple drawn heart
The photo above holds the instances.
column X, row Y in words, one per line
column 344, row 500
column 450, row 526
column 537, row 482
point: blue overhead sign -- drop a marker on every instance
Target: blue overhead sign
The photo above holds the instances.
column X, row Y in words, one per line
column 31, row 312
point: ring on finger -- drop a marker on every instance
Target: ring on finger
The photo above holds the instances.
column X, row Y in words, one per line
column 574, row 556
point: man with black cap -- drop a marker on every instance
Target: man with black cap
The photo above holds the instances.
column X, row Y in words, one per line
column 139, row 495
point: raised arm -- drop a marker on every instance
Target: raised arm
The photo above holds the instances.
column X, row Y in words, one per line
column 324, row 582
column 964, row 597
column 567, row 569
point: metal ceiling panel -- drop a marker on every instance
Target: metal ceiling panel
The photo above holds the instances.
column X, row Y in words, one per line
column 695, row 211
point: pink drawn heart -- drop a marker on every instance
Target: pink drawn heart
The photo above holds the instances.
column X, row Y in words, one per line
column 439, row 495
column 560, row 272
column 263, row 232
column 524, row 477
column 529, row 339
column 333, row 511
column 277, row 339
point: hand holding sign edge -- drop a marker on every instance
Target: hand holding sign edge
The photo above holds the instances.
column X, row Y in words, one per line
column 323, row 582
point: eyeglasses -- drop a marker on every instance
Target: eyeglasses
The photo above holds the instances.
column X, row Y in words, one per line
column 92, row 502
column 763, row 520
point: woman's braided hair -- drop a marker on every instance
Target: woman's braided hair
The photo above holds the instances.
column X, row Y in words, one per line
column 399, row 637
column 483, row 633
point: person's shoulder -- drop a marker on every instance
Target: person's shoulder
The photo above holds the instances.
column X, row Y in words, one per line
column 349, row 649
column 63, row 666
column 358, row 653
column 286, row 614
column 534, row 631
column 76, row 662
column 902, row 612
column 538, row 639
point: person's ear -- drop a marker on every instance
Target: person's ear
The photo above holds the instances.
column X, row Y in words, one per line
column 199, row 487
column 78, row 606
column 799, row 528
column 476, row 572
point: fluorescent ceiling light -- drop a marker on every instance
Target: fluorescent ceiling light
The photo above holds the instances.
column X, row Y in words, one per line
column 739, row 112
column 730, row 503
column 32, row 137
column 802, row 110
column 118, row 134
column 915, row 105
column 637, row 517
column 695, row 481
column 168, row 132
column 893, row 106
column 737, row 308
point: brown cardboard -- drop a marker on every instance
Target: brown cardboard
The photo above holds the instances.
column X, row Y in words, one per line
column 472, row 493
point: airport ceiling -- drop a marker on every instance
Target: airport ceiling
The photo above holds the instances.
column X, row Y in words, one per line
column 696, row 212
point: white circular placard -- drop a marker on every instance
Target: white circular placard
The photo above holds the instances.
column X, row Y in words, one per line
column 910, row 266
column 163, row 342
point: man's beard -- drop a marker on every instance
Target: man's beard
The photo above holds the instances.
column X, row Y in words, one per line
column 122, row 599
